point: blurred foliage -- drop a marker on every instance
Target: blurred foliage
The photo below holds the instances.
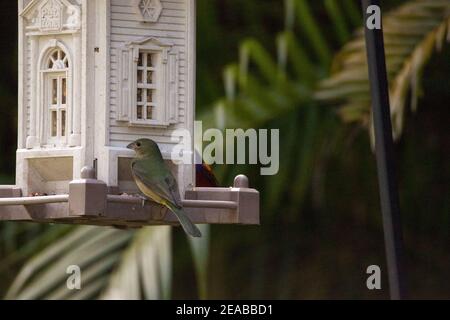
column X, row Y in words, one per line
column 321, row 224
column 412, row 33
column 221, row 25
column 321, row 221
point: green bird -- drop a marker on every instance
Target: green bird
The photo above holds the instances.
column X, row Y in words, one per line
column 156, row 182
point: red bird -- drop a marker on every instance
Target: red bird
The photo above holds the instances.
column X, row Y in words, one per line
column 205, row 176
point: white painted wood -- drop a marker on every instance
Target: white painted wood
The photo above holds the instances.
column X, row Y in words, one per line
column 102, row 40
column 191, row 54
column 165, row 86
column 32, row 139
column 102, row 85
column 75, row 115
column 87, row 79
column 175, row 30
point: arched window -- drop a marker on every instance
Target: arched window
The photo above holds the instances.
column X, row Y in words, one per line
column 56, row 71
column 58, row 60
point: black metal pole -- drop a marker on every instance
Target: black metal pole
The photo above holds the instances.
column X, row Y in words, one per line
column 384, row 148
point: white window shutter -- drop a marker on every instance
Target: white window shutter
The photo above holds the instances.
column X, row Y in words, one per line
column 168, row 100
column 172, row 98
column 123, row 90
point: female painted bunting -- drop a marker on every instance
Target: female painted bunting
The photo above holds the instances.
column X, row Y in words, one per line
column 156, row 182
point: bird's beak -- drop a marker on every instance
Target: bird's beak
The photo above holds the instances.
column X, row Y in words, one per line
column 131, row 146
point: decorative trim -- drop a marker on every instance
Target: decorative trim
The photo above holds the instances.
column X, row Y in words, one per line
column 42, row 85
column 191, row 32
column 167, row 86
column 51, row 16
column 149, row 10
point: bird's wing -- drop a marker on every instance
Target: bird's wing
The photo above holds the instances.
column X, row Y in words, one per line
column 205, row 176
column 164, row 186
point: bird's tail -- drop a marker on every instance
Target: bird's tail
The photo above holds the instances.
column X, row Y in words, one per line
column 185, row 222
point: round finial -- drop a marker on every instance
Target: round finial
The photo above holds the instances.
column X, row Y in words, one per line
column 241, row 182
column 87, row 173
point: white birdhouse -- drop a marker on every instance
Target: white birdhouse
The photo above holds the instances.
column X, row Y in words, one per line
column 95, row 75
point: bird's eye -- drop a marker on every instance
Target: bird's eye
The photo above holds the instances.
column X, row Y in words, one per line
column 138, row 144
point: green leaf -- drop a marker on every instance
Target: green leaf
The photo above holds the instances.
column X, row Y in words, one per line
column 413, row 32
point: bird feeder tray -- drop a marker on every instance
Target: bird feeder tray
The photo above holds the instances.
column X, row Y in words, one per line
column 89, row 203
column 93, row 77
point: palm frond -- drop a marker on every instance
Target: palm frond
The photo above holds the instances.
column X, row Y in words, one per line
column 145, row 269
column 114, row 264
column 95, row 251
column 413, row 32
column 262, row 86
column 200, row 252
column 267, row 85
